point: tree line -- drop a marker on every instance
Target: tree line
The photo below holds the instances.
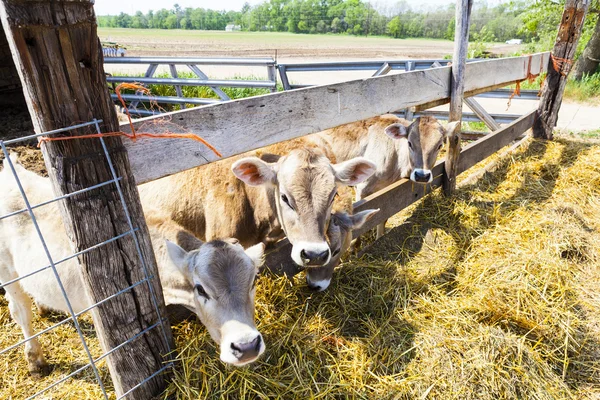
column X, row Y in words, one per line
column 354, row 17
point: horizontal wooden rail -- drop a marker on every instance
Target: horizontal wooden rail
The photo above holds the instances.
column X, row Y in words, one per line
column 263, row 120
column 403, row 193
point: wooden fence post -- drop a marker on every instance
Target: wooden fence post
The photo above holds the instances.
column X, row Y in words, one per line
column 559, row 66
column 459, row 60
column 57, row 52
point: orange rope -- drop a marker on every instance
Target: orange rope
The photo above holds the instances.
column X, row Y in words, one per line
column 558, row 64
column 530, row 78
column 134, row 135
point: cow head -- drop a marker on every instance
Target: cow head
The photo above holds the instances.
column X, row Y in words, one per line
column 339, row 234
column 305, row 184
column 223, row 277
column 425, row 138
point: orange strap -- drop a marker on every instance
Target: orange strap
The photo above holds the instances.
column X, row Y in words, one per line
column 530, row 78
column 134, row 135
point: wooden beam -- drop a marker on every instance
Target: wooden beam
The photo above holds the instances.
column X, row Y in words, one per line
column 263, row 120
column 565, row 46
column 459, row 61
column 477, row 108
column 57, row 52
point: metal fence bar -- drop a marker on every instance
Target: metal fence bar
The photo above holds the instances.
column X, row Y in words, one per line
column 202, row 75
column 194, row 82
column 58, row 198
column 58, row 382
column 70, row 318
column 21, row 139
column 133, row 230
column 166, row 99
column 47, row 252
column 68, row 258
column 258, row 62
column 95, row 361
column 160, row 371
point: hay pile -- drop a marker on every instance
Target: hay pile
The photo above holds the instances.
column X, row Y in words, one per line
column 491, row 294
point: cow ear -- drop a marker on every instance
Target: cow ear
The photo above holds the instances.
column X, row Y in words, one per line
column 396, row 131
column 354, row 171
column 255, row 172
column 178, row 256
column 359, row 219
column 452, row 129
column 256, row 254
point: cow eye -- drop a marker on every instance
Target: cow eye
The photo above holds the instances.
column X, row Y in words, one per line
column 440, row 146
column 410, row 145
column 201, row 292
column 286, row 201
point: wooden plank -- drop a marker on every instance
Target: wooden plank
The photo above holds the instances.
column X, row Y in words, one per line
column 263, row 120
column 56, row 49
column 403, row 193
column 565, row 46
column 478, row 109
column 459, row 65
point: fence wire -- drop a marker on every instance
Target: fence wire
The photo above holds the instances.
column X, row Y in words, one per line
column 52, row 265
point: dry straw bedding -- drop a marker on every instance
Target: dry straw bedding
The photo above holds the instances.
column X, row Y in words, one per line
column 491, row 294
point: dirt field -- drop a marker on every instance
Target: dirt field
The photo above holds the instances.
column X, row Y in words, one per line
column 286, row 46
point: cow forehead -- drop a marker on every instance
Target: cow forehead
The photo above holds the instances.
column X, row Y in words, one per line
column 224, row 267
column 307, row 175
column 429, row 131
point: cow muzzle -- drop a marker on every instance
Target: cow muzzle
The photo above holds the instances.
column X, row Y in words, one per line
column 421, row 175
column 307, row 254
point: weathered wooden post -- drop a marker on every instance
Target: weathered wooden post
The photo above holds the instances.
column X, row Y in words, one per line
column 55, row 47
column 559, row 66
column 459, row 60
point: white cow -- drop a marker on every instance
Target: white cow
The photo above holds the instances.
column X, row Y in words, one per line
column 215, row 279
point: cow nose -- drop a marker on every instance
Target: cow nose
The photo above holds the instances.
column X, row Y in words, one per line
column 247, row 351
column 422, row 176
column 311, row 257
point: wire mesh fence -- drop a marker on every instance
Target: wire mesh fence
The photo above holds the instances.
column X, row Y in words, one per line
column 58, row 278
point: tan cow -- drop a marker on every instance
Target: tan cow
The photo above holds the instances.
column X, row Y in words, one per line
column 398, row 148
column 286, row 189
column 214, row 280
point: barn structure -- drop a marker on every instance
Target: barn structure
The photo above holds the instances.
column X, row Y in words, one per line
column 50, row 58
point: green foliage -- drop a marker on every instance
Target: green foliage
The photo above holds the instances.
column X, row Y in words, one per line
column 541, row 19
column 199, row 91
column 355, row 17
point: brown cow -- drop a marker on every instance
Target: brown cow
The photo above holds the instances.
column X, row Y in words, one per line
column 398, row 148
column 289, row 189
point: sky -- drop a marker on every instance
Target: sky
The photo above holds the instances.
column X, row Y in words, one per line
column 113, row 7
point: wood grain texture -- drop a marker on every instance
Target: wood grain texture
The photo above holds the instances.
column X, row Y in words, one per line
column 565, row 46
column 58, row 55
column 242, row 125
column 459, row 65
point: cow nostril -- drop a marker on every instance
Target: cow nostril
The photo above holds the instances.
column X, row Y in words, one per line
column 303, row 255
column 236, row 348
column 323, row 255
column 258, row 340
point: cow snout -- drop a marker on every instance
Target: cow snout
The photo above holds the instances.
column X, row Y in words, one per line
column 248, row 351
column 312, row 257
column 421, row 176
column 311, row 254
